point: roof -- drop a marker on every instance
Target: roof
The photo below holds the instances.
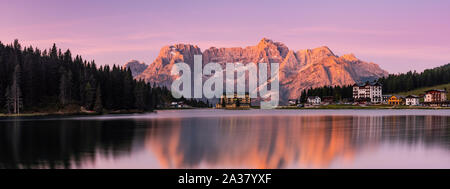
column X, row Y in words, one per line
column 412, row 96
column 313, row 97
column 378, row 84
column 397, row 96
column 437, row 90
column 366, row 84
column 235, row 93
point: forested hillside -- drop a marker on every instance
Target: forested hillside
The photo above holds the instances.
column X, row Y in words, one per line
column 394, row 83
column 32, row 80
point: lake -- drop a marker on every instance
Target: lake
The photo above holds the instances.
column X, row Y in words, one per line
column 209, row 138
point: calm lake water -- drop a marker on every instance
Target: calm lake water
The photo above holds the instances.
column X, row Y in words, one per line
column 231, row 139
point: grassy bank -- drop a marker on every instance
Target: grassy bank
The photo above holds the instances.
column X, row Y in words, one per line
column 422, row 90
column 348, row 106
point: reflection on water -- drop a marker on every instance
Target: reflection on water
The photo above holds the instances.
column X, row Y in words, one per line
column 214, row 141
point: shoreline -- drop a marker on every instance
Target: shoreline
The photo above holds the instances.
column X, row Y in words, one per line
column 59, row 114
column 325, row 107
column 68, row 114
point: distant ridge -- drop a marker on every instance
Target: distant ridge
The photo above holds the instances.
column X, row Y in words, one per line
column 136, row 67
column 299, row 70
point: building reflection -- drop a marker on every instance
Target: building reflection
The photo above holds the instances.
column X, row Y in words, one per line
column 284, row 142
column 214, row 142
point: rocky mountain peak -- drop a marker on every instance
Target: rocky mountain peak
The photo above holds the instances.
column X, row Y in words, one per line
column 299, row 70
column 264, row 42
column 350, row 57
column 135, row 66
column 323, row 51
column 272, row 48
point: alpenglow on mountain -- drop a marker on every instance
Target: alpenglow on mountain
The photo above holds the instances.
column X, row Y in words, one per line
column 299, row 70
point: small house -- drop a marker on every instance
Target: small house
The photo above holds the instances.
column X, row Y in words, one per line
column 314, row 100
column 412, row 100
column 385, row 99
column 292, row 102
column 173, row 104
column 179, row 104
column 395, row 100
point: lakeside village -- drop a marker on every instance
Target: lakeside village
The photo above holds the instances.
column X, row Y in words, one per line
column 371, row 94
column 365, row 95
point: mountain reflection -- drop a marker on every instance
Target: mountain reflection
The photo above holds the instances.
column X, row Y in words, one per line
column 213, row 142
column 284, row 142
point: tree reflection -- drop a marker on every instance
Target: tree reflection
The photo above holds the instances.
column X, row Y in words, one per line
column 62, row 143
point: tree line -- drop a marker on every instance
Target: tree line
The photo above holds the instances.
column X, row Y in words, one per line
column 338, row 93
column 411, row 80
column 393, row 83
column 32, row 80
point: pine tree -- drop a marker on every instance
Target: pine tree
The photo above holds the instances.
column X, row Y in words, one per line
column 98, row 100
column 128, row 90
column 17, row 45
column 9, row 104
column 51, row 77
column 2, row 97
column 16, row 92
column 89, row 96
column 54, row 52
column 64, row 88
column 139, row 95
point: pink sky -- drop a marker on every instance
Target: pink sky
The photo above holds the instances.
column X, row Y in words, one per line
column 399, row 36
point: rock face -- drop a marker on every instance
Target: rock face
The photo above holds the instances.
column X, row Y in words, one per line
column 299, row 70
column 136, row 67
column 159, row 71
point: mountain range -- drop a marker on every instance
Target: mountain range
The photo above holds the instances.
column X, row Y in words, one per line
column 299, row 70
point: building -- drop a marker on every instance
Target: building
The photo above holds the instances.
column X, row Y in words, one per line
column 436, row 97
column 412, row 100
column 385, row 98
column 234, row 101
column 328, row 100
column 395, row 100
column 368, row 92
column 177, row 104
column 314, row 100
column 292, row 102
